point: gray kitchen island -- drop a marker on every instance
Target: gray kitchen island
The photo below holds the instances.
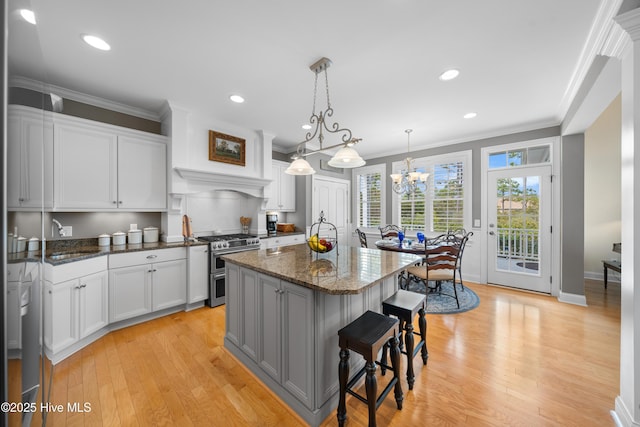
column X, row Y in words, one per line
column 285, row 306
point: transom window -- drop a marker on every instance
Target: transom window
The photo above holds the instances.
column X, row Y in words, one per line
column 520, row 157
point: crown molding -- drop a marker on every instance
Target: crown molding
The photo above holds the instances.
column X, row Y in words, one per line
column 27, row 83
column 597, row 37
column 630, row 23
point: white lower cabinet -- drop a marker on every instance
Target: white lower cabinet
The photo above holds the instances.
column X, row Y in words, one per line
column 15, row 278
column 168, row 284
column 198, row 279
column 147, row 281
column 285, row 240
column 75, row 308
column 129, row 292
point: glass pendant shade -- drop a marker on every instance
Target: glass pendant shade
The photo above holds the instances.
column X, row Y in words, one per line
column 300, row 167
column 346, row 157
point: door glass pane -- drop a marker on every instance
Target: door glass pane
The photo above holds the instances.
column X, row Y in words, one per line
column 518, row 223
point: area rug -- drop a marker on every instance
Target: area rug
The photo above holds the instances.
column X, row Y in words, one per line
column 442, row 303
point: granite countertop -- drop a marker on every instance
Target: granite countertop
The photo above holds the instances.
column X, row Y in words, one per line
column 80, row 249
column 347, row 270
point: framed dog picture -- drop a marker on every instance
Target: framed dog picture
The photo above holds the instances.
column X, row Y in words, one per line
column 226, row 148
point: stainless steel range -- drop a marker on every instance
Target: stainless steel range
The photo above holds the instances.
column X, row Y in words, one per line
column 218, row 246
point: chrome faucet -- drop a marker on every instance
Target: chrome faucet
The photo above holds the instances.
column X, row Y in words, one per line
column 60, row 228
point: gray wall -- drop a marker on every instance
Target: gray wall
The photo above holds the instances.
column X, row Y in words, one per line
column 572, row 227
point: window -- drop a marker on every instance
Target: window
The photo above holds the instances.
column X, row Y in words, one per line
column 441, row 204
column 520, row 157
column 369, row 193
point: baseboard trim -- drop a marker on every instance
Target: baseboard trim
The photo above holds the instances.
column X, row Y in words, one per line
column 623, row 417
column 572, row 298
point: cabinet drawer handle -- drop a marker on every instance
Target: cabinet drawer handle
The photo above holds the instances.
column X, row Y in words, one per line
column 152, row 256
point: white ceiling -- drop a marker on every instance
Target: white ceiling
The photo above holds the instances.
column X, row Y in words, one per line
column 521, row 62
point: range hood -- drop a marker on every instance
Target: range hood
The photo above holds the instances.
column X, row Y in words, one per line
column 216, row 181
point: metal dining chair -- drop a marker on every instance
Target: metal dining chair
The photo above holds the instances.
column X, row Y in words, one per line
column 462, row 235
column 389, row 231
column 363, row 238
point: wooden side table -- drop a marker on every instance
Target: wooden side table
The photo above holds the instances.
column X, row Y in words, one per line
column 613, row 265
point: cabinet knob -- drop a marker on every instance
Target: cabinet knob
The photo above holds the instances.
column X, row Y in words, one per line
column 21, row 199
column 115, row 203
column 84, row 285
column 152, row 256
column 119, row 202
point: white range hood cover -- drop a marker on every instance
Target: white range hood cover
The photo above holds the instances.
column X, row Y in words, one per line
column 215, row 181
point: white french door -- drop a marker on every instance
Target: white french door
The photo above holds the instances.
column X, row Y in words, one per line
column 519, row 221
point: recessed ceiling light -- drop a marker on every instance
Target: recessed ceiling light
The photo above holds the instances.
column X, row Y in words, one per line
column 237, row 98
column 28, row 16
column 470, row 115
column 449, row 75
column 306, row 127
column 96, row 42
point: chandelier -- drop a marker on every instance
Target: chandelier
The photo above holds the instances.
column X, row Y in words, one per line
column 407, row 181
column 346, row 157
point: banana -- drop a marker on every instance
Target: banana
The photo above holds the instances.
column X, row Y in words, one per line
column 313, row 242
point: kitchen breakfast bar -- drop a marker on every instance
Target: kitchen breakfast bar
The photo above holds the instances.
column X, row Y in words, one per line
column 284, row 309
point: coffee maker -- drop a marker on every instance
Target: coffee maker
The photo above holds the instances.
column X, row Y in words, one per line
column 272, row 220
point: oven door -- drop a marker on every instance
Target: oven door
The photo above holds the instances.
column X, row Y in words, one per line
column 216, row 290
column 216, row 281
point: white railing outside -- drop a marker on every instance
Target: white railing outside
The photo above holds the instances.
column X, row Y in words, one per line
column 518, row 243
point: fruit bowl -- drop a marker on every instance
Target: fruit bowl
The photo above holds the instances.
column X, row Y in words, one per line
column 321, row 245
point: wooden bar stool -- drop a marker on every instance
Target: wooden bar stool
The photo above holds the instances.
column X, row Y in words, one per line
column 367, row 335
column 405, row 305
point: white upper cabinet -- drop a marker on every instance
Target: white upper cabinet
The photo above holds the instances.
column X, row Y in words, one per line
column 30, row 158
column 86, row 167
column 283, row 189
column 142, row 173
column 99, row 167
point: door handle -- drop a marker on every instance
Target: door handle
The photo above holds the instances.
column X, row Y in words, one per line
column 491, row 233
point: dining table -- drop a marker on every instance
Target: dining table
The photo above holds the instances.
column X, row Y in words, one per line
column 407, row 247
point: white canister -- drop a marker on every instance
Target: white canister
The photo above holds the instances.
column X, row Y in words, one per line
column 22, row 244
column 33, row 245
column 134, row 237
column 150, row 234
column 119, row 238
column 104, row 240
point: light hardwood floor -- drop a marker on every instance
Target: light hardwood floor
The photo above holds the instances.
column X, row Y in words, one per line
column 519, row 359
